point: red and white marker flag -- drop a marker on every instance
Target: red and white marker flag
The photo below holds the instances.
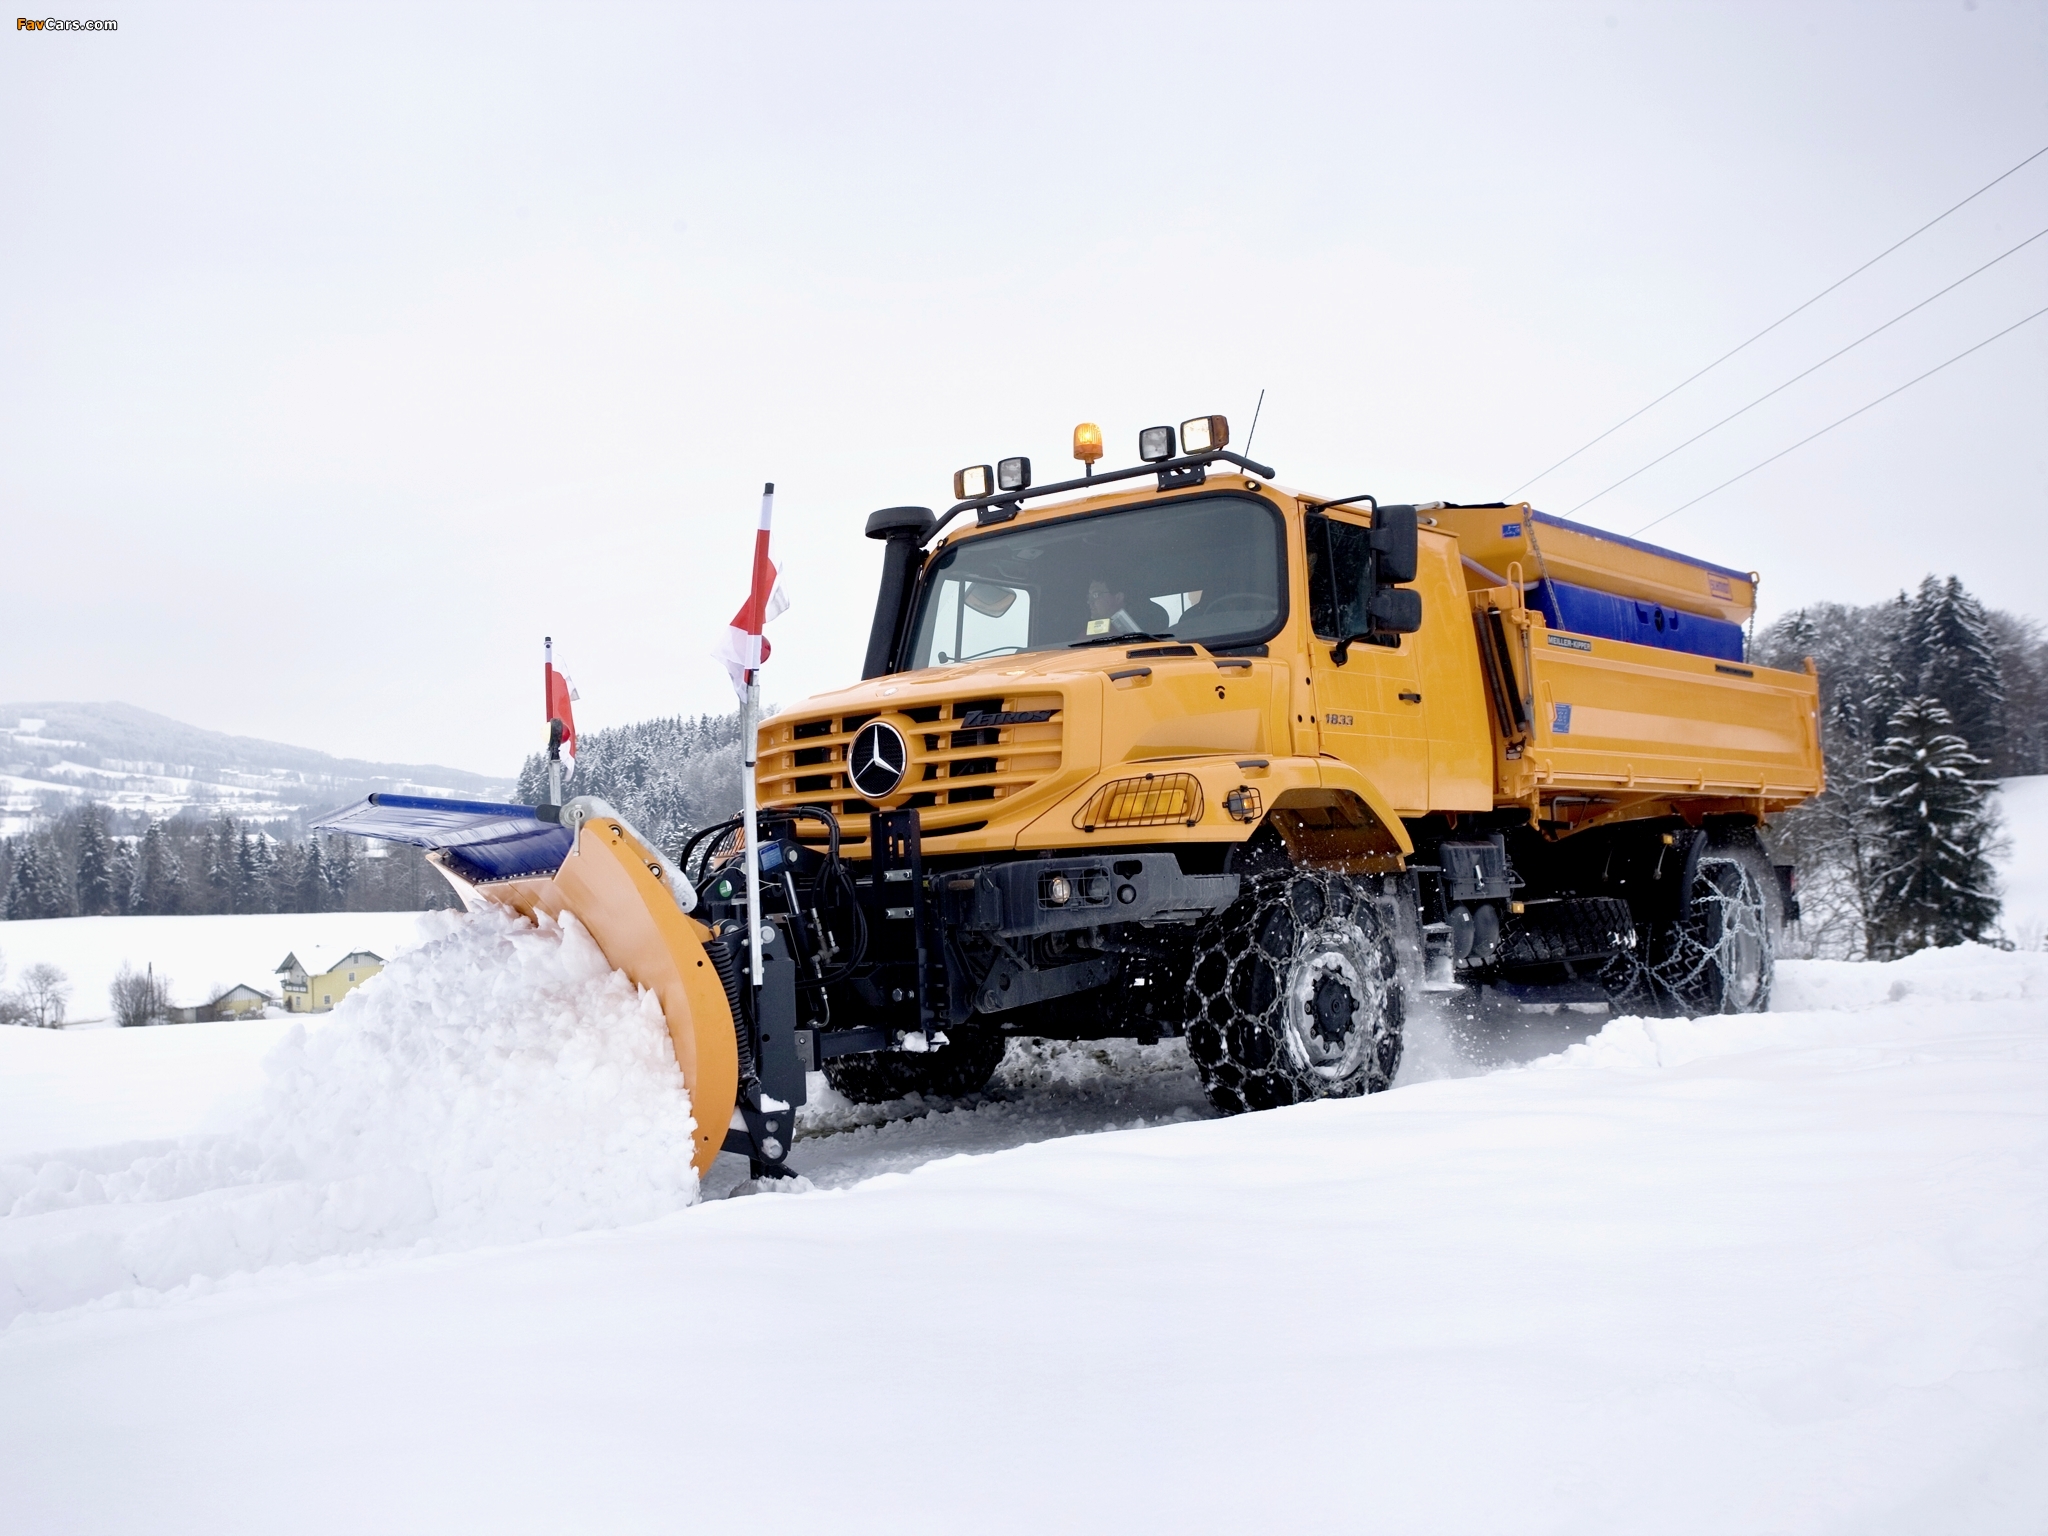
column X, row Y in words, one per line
column 561, row 693
column 745, row 648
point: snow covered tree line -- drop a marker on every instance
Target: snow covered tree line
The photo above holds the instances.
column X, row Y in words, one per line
column 668, row 777
column 1925, row 701
column 78, row 866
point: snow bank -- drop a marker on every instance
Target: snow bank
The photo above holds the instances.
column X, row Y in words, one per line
column 1819, row 1004
column 2023, row 869
column 499, row 1084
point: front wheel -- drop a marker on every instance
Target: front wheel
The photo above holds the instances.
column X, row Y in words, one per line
column 1294, row 994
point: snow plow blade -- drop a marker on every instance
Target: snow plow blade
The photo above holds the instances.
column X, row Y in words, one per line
column 590, row 863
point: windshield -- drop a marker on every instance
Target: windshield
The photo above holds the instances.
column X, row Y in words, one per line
column 1204, row 568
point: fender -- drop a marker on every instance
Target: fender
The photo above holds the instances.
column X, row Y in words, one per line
column 1343, row 822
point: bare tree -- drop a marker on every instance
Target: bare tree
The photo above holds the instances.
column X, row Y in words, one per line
column 140, row 997
column 44, row 992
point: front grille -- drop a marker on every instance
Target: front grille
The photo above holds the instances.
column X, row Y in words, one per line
column 1000, row 747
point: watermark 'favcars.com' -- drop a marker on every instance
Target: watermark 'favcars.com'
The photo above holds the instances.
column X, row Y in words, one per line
column 54, row 24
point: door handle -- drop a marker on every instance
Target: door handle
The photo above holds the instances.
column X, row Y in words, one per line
column 1410, row 698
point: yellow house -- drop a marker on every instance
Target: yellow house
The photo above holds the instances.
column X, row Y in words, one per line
column 318, row 982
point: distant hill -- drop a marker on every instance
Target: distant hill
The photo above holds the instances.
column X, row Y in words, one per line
column 52, row 755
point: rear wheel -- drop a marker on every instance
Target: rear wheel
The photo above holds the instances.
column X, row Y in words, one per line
column 1294, row 994
column 961, row 1066
column 1718, row 957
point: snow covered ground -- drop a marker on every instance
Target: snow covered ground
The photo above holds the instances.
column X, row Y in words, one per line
column 2023, row 872
column 1786, row 1273
column 425, row 1263
column 201, row 955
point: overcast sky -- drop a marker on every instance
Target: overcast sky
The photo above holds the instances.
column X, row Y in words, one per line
column 345, row 352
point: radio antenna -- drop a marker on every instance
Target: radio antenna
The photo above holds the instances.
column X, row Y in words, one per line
column 1255, row 423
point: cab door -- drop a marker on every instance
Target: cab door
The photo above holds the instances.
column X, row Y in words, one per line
column 1369, row 707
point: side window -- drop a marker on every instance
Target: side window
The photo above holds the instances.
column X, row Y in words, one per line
column 1339, row 577
column 978, row 618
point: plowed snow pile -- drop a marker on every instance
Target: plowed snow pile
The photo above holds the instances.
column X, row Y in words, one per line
column 498, row 1084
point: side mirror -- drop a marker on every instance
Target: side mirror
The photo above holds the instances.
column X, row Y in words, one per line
column 1397, row 610
column 1393, row 540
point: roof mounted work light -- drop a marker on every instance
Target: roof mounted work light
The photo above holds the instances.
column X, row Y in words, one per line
column 973, row 482
column 1155, row 443
column 1205, row 434
column 1013, row 474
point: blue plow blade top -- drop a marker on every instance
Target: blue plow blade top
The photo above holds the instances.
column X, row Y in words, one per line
column 481, row 840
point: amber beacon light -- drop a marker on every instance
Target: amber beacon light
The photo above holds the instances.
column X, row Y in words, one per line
column 1088, row 444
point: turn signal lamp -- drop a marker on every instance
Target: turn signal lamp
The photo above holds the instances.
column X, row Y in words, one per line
column 973, row 482
column 1088, row 442
column 1013, row 474
column 1205, row 434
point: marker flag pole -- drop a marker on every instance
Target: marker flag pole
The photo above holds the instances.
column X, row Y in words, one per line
column 753, row 616
column 547, row 683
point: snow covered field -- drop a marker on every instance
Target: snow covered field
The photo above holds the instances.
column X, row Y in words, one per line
column 197, row 953
column 1785, row 1273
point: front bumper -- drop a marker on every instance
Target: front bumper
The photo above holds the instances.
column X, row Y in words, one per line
column 1024, row 898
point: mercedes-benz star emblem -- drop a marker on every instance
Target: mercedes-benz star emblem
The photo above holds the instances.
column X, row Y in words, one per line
column 875, row 764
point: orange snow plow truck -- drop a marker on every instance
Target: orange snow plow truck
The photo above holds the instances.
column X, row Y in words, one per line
column 1172, row 750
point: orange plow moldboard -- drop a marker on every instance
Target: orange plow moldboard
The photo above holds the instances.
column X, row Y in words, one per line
column 609, row 882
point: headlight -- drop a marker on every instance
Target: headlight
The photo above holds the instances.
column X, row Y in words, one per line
column 1155, row 443
column 1205, row 434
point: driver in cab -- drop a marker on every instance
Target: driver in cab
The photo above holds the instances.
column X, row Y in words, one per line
column 1109, row 613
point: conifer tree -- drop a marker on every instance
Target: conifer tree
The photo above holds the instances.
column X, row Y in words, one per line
column 97, row 893
column 22, row 882
column 244, row 892
column 1932, row 882
column 151, row 889
column 39, row 886
column 122, row 875
column 1954, row 658
column 338, row 871
column 220, row 864
column 312, row 888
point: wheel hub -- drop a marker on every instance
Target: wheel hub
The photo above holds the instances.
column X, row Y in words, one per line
column 1330, row 1004
column 1330, row 1009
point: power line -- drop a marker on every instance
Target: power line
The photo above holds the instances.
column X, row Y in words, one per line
column 1760, row 399
column 1760, row 335
column 1880, row 400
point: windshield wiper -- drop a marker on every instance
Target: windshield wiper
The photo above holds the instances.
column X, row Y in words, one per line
column 996, row 650
column 1135, row 634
